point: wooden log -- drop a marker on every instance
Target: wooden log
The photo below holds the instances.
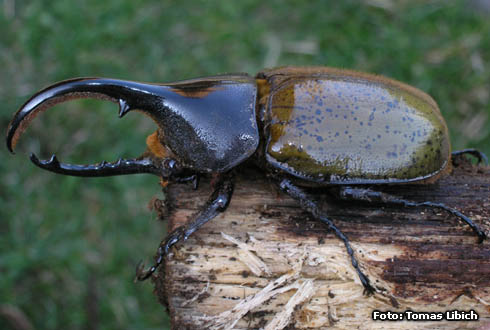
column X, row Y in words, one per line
column 265, row 263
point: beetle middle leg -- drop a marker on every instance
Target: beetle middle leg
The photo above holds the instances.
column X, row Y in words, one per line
column 307, row 203
column 216, row 204
column 371, row 196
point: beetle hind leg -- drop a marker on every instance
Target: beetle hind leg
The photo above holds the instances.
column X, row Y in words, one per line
column 216, row 204
column 307, row 203
column 371, row 196
column 481, row 157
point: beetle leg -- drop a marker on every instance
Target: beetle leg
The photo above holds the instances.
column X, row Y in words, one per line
column 308, row 204
column 368, row 195
column 216, row 204
column 474, row 152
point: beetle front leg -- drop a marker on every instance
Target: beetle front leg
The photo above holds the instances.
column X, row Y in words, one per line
column 308, row 204
column 216, row 204
column 371, row 196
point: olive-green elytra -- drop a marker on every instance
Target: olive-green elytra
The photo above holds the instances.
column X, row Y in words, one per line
column 343, row 127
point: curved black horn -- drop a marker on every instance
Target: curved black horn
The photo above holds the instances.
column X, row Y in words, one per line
column 128, row 94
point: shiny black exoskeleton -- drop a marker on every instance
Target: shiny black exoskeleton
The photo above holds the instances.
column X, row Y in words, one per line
column 306, row 127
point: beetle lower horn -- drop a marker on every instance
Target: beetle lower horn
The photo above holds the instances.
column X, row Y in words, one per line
column 120, row 167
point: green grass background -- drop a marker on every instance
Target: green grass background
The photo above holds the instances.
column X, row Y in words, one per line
column 69, row 246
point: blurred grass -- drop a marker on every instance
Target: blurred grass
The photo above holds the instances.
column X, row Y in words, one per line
column 69, row 246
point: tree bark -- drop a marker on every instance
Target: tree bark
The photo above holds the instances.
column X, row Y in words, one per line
column 265, row 263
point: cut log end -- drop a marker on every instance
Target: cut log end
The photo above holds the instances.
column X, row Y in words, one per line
column 265, row 263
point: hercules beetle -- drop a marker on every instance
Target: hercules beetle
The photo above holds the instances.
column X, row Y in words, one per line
column 305, row 127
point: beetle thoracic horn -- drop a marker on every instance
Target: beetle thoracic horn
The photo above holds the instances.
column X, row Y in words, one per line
column 129, row 95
